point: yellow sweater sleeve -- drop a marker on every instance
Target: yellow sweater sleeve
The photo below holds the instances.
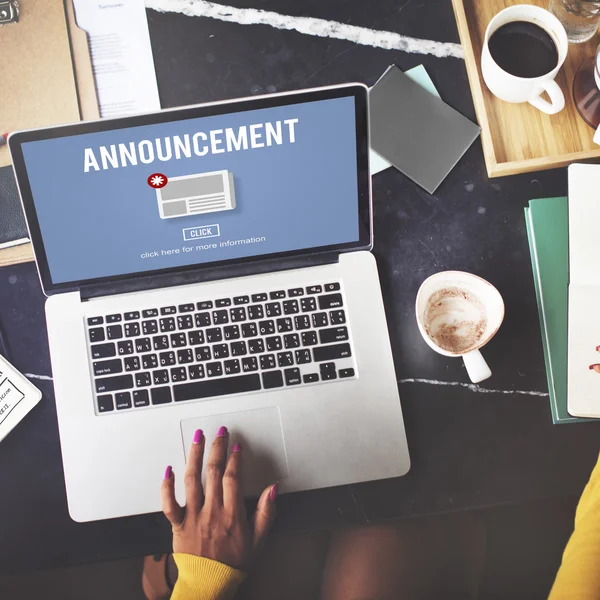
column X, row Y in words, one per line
column 205, row 579
column 579, row 574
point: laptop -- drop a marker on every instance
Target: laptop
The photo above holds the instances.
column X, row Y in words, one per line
column 208, row 266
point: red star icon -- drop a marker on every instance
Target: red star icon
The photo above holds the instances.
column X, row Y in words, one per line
column 157, row 180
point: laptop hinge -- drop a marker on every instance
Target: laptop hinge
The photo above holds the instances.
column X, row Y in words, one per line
column 152, row 282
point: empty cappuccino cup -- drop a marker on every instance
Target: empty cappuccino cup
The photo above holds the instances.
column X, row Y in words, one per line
column 458, row 313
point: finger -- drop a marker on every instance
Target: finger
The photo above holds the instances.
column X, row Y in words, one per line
column 265, row 515
column 194, row 494
column 170, row 506
column 233, row 495
column 215, row 467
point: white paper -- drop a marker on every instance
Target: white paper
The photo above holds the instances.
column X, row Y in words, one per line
column 121, row 55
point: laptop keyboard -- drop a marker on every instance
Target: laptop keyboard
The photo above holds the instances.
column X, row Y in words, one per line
column 201, row 350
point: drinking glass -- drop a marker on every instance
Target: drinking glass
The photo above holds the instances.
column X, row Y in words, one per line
column 579, row 17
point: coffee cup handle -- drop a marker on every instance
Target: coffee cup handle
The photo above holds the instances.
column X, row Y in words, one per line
column 557, row 98
column 476, row 366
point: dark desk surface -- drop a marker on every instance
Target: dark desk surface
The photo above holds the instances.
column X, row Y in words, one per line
column 469, row 449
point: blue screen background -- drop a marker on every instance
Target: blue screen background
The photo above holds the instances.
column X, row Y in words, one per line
column 297, row 195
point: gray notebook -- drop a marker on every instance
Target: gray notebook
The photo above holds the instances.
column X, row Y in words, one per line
column 419, row 134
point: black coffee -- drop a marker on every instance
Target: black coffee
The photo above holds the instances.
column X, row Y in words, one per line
column 523, row 49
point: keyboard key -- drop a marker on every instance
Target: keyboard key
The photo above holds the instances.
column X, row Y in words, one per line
column 303, row 356
column 320, row 319
column 337, row 317
column 273, row 309
column 167, row 324
column 105, row 403
column 185, row 308
column 204, row 305
column 249, row 364
column 267, row 361
column 220, row 350
column 104, row 350
column 131, row 316
column 196, row 338
column 291, row 307
column 95, row 320
column 259, row 298
column 309, row 338
column 161, row 395
column 108, row 367
column 220, row 317
column 151, row 312
column 332, row 352
column 332, row 287
column 346, row 373
column 143, row 345
column 202, row 319
column 178, row 340
column 295, row 292
column 132, row 329
column 256, row 346
column 178, row 374
column 314, row 289
column 149, row 361
column 292, row 377
column 272, row 379
column 249, row 330
column 167, row 359
column 277, row 295
column 168, row 310
column 223, row 302
column 96, row 334
column 142, row 379
column 330, row 301
column 285, row 359
column 141, row 398
column 266, row 327
column 114, row 332
column 335, row 334
column 328, row 371
column 231, row 332
column 196, row 371
column 291, row 340
column 238, row 349
column 124, row 348
column 274, row 343
column 123, row 400
column 217, row 387
column 185, row 356
column 284, row 324
column 256, row 312
column 237, row 314
column 132, row 363
column 214, row 369
column 159, row 377
column 308, row 304
column 160, row 342
column 214, row 335
column 302, row 322
column 202, row 353
column 232, row 367
column 113, row 318
column 184, row 322
column 149, row 327
column 241, row 300
column 111, row 384
column 310, row 378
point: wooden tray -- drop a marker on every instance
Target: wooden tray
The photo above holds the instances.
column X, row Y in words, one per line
column 518, row 138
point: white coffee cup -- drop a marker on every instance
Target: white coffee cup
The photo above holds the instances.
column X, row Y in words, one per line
column 458, row 313
column 511, row 88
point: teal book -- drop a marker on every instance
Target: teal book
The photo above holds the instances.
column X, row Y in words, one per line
column 547, row 223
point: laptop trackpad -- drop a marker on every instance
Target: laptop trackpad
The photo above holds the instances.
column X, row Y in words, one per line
column 261, row 435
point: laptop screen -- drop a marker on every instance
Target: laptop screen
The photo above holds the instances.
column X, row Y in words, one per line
column 133, row 199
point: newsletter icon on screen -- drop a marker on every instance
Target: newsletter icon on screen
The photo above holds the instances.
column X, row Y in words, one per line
column 196, row 194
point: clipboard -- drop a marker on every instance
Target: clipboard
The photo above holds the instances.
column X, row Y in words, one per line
column 46, row 76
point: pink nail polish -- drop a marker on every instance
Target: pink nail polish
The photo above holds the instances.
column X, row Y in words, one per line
column 237, row 448
column 168, row 472
column 198, row 436
column 273, row 493
column 222, row 431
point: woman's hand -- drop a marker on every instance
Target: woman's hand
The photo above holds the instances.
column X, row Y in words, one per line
column 214, row 524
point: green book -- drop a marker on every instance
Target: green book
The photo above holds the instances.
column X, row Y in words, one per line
column 547, row 221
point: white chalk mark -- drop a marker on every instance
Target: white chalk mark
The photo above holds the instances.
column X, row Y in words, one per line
column 475, row 388
column 34, row 376
column 388, row 40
